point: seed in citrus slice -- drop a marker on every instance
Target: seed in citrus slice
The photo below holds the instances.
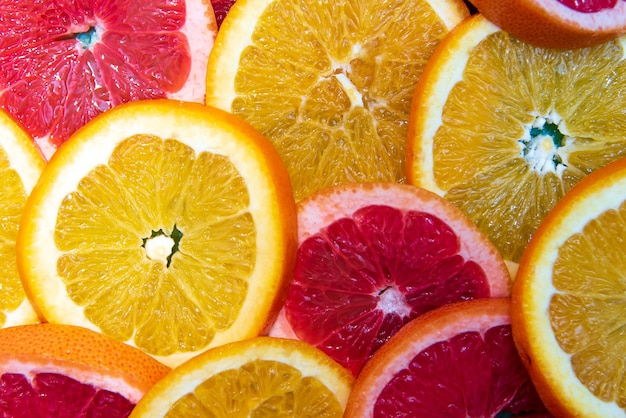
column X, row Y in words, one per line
column 65, row 61
column 63, row 370
column 371, row 257
column 459, row 360
column 568, row 299
column 164, row 224
column 503, row 129
column 328, row 82
column 20, row 167
column 562, row 24
column 258, row 377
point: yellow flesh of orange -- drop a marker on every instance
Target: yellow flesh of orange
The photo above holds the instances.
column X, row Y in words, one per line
column 332, row 88
column 12, row 199
column 507, row 86
column 259, row 389
column 158, row 185
column 588, row 311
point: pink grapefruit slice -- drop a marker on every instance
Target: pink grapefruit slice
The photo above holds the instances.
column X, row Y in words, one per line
column 64, row 62
column 455, row 361
column 371, row 257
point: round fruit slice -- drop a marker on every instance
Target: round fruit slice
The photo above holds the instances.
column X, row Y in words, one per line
column 259, row 377
column 456, row 361
column 568, row 300
column 503, row 129
column 62, row 370
column 563, row 24
column 20, row 167
column 65, row 61
column 371, row 257
column 167, row 225
column 328, row 82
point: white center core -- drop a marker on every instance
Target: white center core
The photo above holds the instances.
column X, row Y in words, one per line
column 392, row 301
column 159, row 248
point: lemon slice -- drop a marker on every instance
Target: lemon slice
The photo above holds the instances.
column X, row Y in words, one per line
column 167, row 225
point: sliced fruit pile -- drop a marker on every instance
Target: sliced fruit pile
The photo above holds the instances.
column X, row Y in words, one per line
column 300, row 208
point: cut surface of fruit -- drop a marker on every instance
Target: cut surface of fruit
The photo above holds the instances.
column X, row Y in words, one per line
column 65, row 61
column 503, row 129
column 329, row 83
column 259, row 377
column 568, row 306
column 167, row 225
column 20, row 167
column 456, row 361
column 371, row 257
column 560, row 24
column 221, row 8
column 63, row 370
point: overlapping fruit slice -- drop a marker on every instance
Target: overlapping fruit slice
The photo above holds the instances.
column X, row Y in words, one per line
column 503, row 129
column 373, row 256
column 164, row 224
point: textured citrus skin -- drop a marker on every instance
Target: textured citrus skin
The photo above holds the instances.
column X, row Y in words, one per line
column 79, row 351
column 550, row 24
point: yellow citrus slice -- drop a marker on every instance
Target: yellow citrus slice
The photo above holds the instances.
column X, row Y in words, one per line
column 20, row 167
column 328, row 82
column 167, row 225
column 503, row 129
column 568, row 299
column 258, row 377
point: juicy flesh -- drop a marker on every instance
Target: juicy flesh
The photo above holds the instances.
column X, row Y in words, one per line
column 12, row 200
column 51, row 394
column 64, row 62
column 330, row 84
column 259, row 389
column 362, row 278
column 589, row 6
column 152, row 189
column 588, row 313
column 469, row 375
column 520, row 131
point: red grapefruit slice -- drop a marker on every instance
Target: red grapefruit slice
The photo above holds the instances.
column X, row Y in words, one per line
column 371, row 257
column 65, row 61
column 456, row 361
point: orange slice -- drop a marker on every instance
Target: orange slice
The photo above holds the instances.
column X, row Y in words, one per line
column 568, row 299
column 564, row 24
column 260, row 377
column 373, row 256
column 54, row 370
column 167, row 225
column 65, row 62
column 329, row 83
column 20, row 167
column 455, row 361
column 503, row 129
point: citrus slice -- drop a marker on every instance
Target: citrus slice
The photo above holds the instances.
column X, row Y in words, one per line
column 503, row 129
column 371, row 257
column 563, row 24
column 65, row 62
column 167, row 225
column 61, row 370
column 328, row 82
column 568, row 299
column 221, row 8
column 20, row 167
column 459, row 360
column 259, row 377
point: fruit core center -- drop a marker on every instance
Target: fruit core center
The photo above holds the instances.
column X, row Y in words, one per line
column 161, row 247
column 589, row 6
column 353, row 93
column 541, row 145
column 392, row 301
column 88, row 37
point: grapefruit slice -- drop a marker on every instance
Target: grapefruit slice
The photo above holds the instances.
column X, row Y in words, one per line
column 561, row 24
column 456, row 361
column 64, row 62
column 372, row 256
column 61, row 370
